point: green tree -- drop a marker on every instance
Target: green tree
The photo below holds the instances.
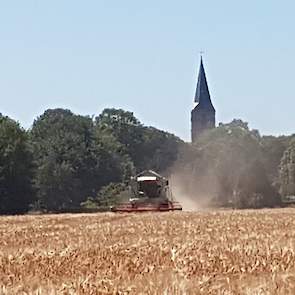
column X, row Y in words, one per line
column 122, row 127
column 273, row 149
column 146, row 147
column 115, row 163
column 16, row 168
column 287, row 171
column 72, row 161
column 158, row 151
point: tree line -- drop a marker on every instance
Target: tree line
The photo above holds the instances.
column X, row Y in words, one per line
column 68, row 162
column 234, row 166
column 65, row 161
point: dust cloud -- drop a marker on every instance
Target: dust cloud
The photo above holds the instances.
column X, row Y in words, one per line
column 188, row 192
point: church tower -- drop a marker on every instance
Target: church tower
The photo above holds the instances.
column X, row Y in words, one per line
column 203, row 115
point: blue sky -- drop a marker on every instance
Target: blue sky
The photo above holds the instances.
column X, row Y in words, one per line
column 143, row 56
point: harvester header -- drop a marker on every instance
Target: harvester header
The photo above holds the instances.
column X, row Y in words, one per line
column 149, row 191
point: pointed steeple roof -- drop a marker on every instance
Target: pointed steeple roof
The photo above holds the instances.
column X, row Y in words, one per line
column 202, row 92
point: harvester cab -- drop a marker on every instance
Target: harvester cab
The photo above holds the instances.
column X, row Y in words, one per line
column 149, row 191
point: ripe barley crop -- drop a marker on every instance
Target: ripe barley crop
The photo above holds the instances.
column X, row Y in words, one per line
column 216, row 252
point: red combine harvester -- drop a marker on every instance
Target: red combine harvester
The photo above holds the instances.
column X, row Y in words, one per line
column 150, row 192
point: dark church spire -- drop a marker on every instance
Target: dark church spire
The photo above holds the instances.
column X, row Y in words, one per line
column 203, row 115
column 202, row 95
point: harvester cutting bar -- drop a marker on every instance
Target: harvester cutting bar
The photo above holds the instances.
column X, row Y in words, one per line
column 128, row 207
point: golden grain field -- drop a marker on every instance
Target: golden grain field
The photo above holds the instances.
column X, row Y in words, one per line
column 220, row 252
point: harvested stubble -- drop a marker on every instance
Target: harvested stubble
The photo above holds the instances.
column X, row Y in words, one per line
column 220, row 252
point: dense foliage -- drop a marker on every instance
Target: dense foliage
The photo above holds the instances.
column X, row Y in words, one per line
column 65, row 157
column 147, row 147
column 76, row 157
column 68, row 161
column 287, row 170
column 16, row 170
